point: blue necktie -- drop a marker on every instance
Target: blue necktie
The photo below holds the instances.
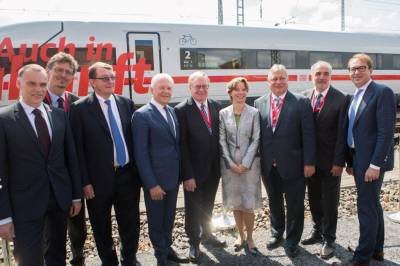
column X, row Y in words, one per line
column 170, row 123
column 118, row 141
column 352, row 117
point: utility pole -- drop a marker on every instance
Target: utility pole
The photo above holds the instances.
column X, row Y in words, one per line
column 343, row 26
column 220, row 13
column 261, row 9
column 240, row 13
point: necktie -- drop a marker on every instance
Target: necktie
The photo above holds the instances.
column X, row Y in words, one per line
column 60, row 102
column 317, row 107
column 352, row 117
column 42, row 132
column 205, row 117
column 116, row 134
column 170, row 123
column 277, row 100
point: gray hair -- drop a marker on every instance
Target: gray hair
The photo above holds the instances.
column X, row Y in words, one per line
column 276, row 68
column 161, row 76
column 33, row 67
column 321, row 63
column 196, row 75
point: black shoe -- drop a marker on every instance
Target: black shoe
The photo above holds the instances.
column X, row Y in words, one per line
column 274, row 242
column 315, row 237
column 292, row 251
column 194, row 253
column 327, row 250
column 379, row 256
column 175, row 257
column 212, row 240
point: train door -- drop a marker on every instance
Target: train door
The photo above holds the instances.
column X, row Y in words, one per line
column 146, row 62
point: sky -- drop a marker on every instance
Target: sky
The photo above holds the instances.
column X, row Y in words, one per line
column 360, row 15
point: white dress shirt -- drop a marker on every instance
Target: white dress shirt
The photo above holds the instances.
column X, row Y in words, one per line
column 114, row 109
column 54, row 98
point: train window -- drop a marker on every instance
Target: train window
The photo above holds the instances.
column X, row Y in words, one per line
column 144, row 49
column 219, row 58
column 264, row 59
column 384, row 61
column 249, row 59
column 335, row 59
column 396, row 61
column 287, row 58
column 302, row 60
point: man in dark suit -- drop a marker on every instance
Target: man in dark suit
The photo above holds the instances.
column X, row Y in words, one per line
column 61, row 68
column 324, row 186
column 102, row 129
column 199, row 123
column 287, row 156
column 370, row 128
column 156, row 137
column 39, row 174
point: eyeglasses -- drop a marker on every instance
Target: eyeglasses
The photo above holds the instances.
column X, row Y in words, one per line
column 63, row 71
column 106, row 79
column 198, row 87
column 359, row 68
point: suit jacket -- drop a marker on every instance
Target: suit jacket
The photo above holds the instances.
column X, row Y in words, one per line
column 329, row 129
column 292, row 145
column 71, row 98
column 373, row 128
column 246, row 137
column 156, row 149
column 200, row 150
column 94, row 142
column 26, row 175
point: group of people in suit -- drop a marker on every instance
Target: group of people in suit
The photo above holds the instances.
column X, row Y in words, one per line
column 59, row 153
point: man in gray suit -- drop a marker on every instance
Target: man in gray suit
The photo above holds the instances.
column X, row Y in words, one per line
column 287, row 156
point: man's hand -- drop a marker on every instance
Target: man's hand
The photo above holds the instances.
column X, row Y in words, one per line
column 371, row 175
column 349, row 170
column 75, row 208
column 336, row 170
column 7, row 231
column 309, row 170
column 157, row 193
column 189, row 185
column 88, row 192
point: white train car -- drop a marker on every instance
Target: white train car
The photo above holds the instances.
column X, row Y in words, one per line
column 138, row 51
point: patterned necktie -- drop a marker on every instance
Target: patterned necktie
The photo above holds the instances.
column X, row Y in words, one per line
column 352, row 117
column 317, row 103
column 170, row 123
column 205, row 117
column 42, row 132
column 60, row 102
column 117, row 137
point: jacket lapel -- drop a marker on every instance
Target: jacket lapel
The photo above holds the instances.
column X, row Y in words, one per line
column 49, row 114
column 327, row 103
column 196, row 115
column 161, row 119
column 364, row 101
column 285, row 108
column 23, row 120
column 95, row 108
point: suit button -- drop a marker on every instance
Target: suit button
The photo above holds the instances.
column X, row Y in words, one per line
column 1, row 187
